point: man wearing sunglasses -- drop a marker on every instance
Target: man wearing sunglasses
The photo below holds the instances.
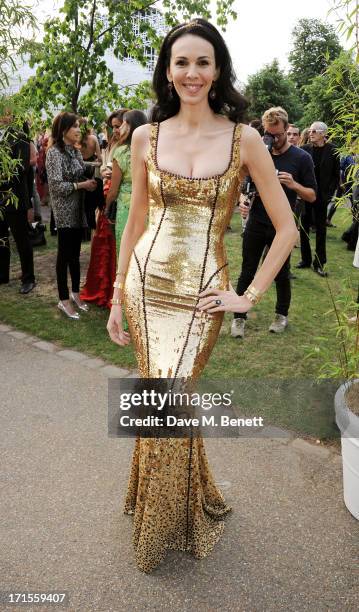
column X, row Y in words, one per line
column 295, row 172
column 327, row 172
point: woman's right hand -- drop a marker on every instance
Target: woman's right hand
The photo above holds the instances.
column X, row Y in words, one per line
column 115, row 329
column 244, row 208
column 88, row 185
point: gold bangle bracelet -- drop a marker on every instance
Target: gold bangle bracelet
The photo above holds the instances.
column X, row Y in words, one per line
column 123, row 274
column 255, row 291
column 115, row 302
column 251, row 297
column 254, row 295
column 118, row 285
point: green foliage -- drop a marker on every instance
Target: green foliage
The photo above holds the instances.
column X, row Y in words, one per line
column 340, row 92
column 270, row 86
column 344, row 363
column 348, row 25
column 333, row 97
column 72, row 72
column 12, row 113
column 315, row 45
column 16, row 24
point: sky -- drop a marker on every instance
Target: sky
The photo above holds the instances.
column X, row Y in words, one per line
column 261, row 32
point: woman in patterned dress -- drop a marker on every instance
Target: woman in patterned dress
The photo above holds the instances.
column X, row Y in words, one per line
column 65, row 170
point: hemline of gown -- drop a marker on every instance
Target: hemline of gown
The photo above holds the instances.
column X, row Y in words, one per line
column 194, row 523
column 218, row 531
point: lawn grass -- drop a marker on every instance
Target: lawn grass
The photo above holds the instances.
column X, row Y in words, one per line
column 260, row 355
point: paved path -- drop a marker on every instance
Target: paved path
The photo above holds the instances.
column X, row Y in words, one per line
column 290, row 544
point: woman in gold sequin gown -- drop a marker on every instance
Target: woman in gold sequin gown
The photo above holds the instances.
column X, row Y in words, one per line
column 187, row 170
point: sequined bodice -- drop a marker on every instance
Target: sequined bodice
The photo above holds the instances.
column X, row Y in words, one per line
column 190, row 215
column 180, row 254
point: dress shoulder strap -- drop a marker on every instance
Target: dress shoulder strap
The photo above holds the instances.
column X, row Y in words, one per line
column 153, row 139
column 237, row 145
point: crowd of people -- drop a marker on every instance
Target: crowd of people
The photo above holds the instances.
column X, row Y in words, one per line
column 88, row 187
column 313, row 177
column 86, row 179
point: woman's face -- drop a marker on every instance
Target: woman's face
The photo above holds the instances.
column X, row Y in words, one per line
column 73, row 134
column 116, row 127
column 124, row 130
column 192, row 68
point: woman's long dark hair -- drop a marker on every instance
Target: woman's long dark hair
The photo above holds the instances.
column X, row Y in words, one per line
column 134, row 118
column 61, row 124
column 228, row 100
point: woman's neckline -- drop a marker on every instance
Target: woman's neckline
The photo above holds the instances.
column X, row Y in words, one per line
column 193, row 178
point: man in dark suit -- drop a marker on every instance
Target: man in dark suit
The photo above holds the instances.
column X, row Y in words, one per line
column 327, row 172
column 16, row 215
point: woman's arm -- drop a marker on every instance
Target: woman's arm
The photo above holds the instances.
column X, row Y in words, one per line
column 97, row 149
column 116, row 179
column 103, row 168
column 135, row 226
column 259, row 165
column 136, row 222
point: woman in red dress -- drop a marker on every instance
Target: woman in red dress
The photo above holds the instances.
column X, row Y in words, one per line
column 102, row 267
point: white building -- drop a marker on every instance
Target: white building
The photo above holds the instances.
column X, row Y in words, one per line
column 126, row 72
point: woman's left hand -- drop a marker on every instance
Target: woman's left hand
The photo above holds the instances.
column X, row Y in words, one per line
column 229, row 301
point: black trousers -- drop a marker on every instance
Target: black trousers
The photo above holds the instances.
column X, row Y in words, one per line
column 17, row 221
column 256, row 237
column 351, row 234
column 319, row 210
column 68, row 258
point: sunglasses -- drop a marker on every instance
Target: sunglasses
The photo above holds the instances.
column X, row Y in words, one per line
column 315, row 131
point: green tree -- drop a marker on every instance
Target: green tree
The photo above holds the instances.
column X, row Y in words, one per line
column 72, row 72
column 333, row 96
column 315, row 46
column 338, row 88
column 16, row 19
column 270, row 86
column 348, row 21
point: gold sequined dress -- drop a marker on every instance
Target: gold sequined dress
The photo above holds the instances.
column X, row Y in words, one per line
column 171, row 491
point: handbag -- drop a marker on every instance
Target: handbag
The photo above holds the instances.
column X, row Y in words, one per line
column 37, row 234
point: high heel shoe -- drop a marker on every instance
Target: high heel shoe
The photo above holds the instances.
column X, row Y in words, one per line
column 79, row 303
column 70, row 315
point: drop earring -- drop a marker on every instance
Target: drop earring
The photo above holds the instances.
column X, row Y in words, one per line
column 170, row 90
column 212, row 93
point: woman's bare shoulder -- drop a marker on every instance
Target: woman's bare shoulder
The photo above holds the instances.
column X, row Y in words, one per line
column 249, row 135
column 251, row 145
column 92, row 138
column 142, row 133
column 141, row 139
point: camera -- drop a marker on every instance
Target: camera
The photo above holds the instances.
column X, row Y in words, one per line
column 248, row 187
column 268, row 140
